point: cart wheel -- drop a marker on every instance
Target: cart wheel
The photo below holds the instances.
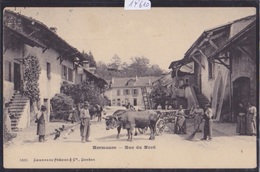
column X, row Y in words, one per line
column 142, row 130
column 159, row 126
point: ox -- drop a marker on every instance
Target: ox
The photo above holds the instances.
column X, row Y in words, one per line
column 131, row 119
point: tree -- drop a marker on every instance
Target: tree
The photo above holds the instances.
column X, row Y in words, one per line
column 89, row 57
column 115, row 62
column 86, row 91
column 31, row 76
column 102, row 70
column 139, row 66
column 159, row 94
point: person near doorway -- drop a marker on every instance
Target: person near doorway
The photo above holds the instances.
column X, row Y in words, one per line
column 241, row 119
column 197, row 113
column 85, row 123
column 181, row 121
column 40, row 120
column 251, row 119
column 208, row 123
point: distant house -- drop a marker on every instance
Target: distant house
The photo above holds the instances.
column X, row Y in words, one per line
column 124, row 90
column 59, row 62
column 224, row 67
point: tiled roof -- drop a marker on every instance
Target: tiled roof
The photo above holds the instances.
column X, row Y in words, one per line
column 141, row 81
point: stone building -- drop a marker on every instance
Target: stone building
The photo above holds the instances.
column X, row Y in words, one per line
column 124, row 90
column 59, row 62
column 224, row 60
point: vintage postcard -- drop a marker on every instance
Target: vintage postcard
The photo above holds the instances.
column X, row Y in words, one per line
column 110, row 87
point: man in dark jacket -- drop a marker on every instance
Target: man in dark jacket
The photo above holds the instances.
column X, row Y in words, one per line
column 208, row 123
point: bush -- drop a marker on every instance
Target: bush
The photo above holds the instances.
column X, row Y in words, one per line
column 61, row 106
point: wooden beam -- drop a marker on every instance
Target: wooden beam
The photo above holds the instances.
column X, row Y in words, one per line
column 202, row 53
column 62, row 54
column 32, row 33
column 197, row 61
column 45, row 49
column 224, row 64
column 213, row 44
column 61, row 59
column 217, row 35
column 188, row 66
column 243, row 50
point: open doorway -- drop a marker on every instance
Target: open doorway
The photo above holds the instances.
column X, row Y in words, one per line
column 241, row 92
column 17, row 77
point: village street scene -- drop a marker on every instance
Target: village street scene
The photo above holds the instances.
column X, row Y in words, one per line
column 99, row 88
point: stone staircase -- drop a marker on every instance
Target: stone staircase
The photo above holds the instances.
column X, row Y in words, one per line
column 202, row 100
column 16, row 108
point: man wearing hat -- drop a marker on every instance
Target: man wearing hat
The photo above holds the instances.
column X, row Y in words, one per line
column 208, row 123
column 40, row 120
column 84, row 123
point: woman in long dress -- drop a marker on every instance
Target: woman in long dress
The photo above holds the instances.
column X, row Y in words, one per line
column 241, row 119
column 40, row 119
column 251, row 120
column 181, row 121
column 197, row 114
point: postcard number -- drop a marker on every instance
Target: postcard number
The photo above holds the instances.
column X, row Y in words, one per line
column 137, row 5
column 23, row 160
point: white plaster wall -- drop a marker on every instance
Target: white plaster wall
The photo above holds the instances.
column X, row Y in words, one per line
column 24, row 121
column 112, row 94
column 8, row 86
column 49, row 87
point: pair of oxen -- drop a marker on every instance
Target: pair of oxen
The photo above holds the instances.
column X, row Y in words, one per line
column 129, row 119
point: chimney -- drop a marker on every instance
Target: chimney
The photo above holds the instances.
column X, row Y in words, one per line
column 136, row 78
column 53, row 29
column 113, row 80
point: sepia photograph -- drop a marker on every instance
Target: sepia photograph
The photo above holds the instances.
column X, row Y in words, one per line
column 111, row 88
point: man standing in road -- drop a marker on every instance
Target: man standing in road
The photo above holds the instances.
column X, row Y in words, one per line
column 208, row 123
column 85, row 123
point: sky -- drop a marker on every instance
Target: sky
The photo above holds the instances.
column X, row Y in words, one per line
column 162, row 35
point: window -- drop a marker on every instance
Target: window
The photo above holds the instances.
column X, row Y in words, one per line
column 118, row 92
column 126, row 92
column 48, row 70
column 187, row 80
column 135, row 92
column 135, row 102
column 70, row 74
column 64, row 72
column 114, row 102
column 8, row 71
column 118, row 102
column 211, row 69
